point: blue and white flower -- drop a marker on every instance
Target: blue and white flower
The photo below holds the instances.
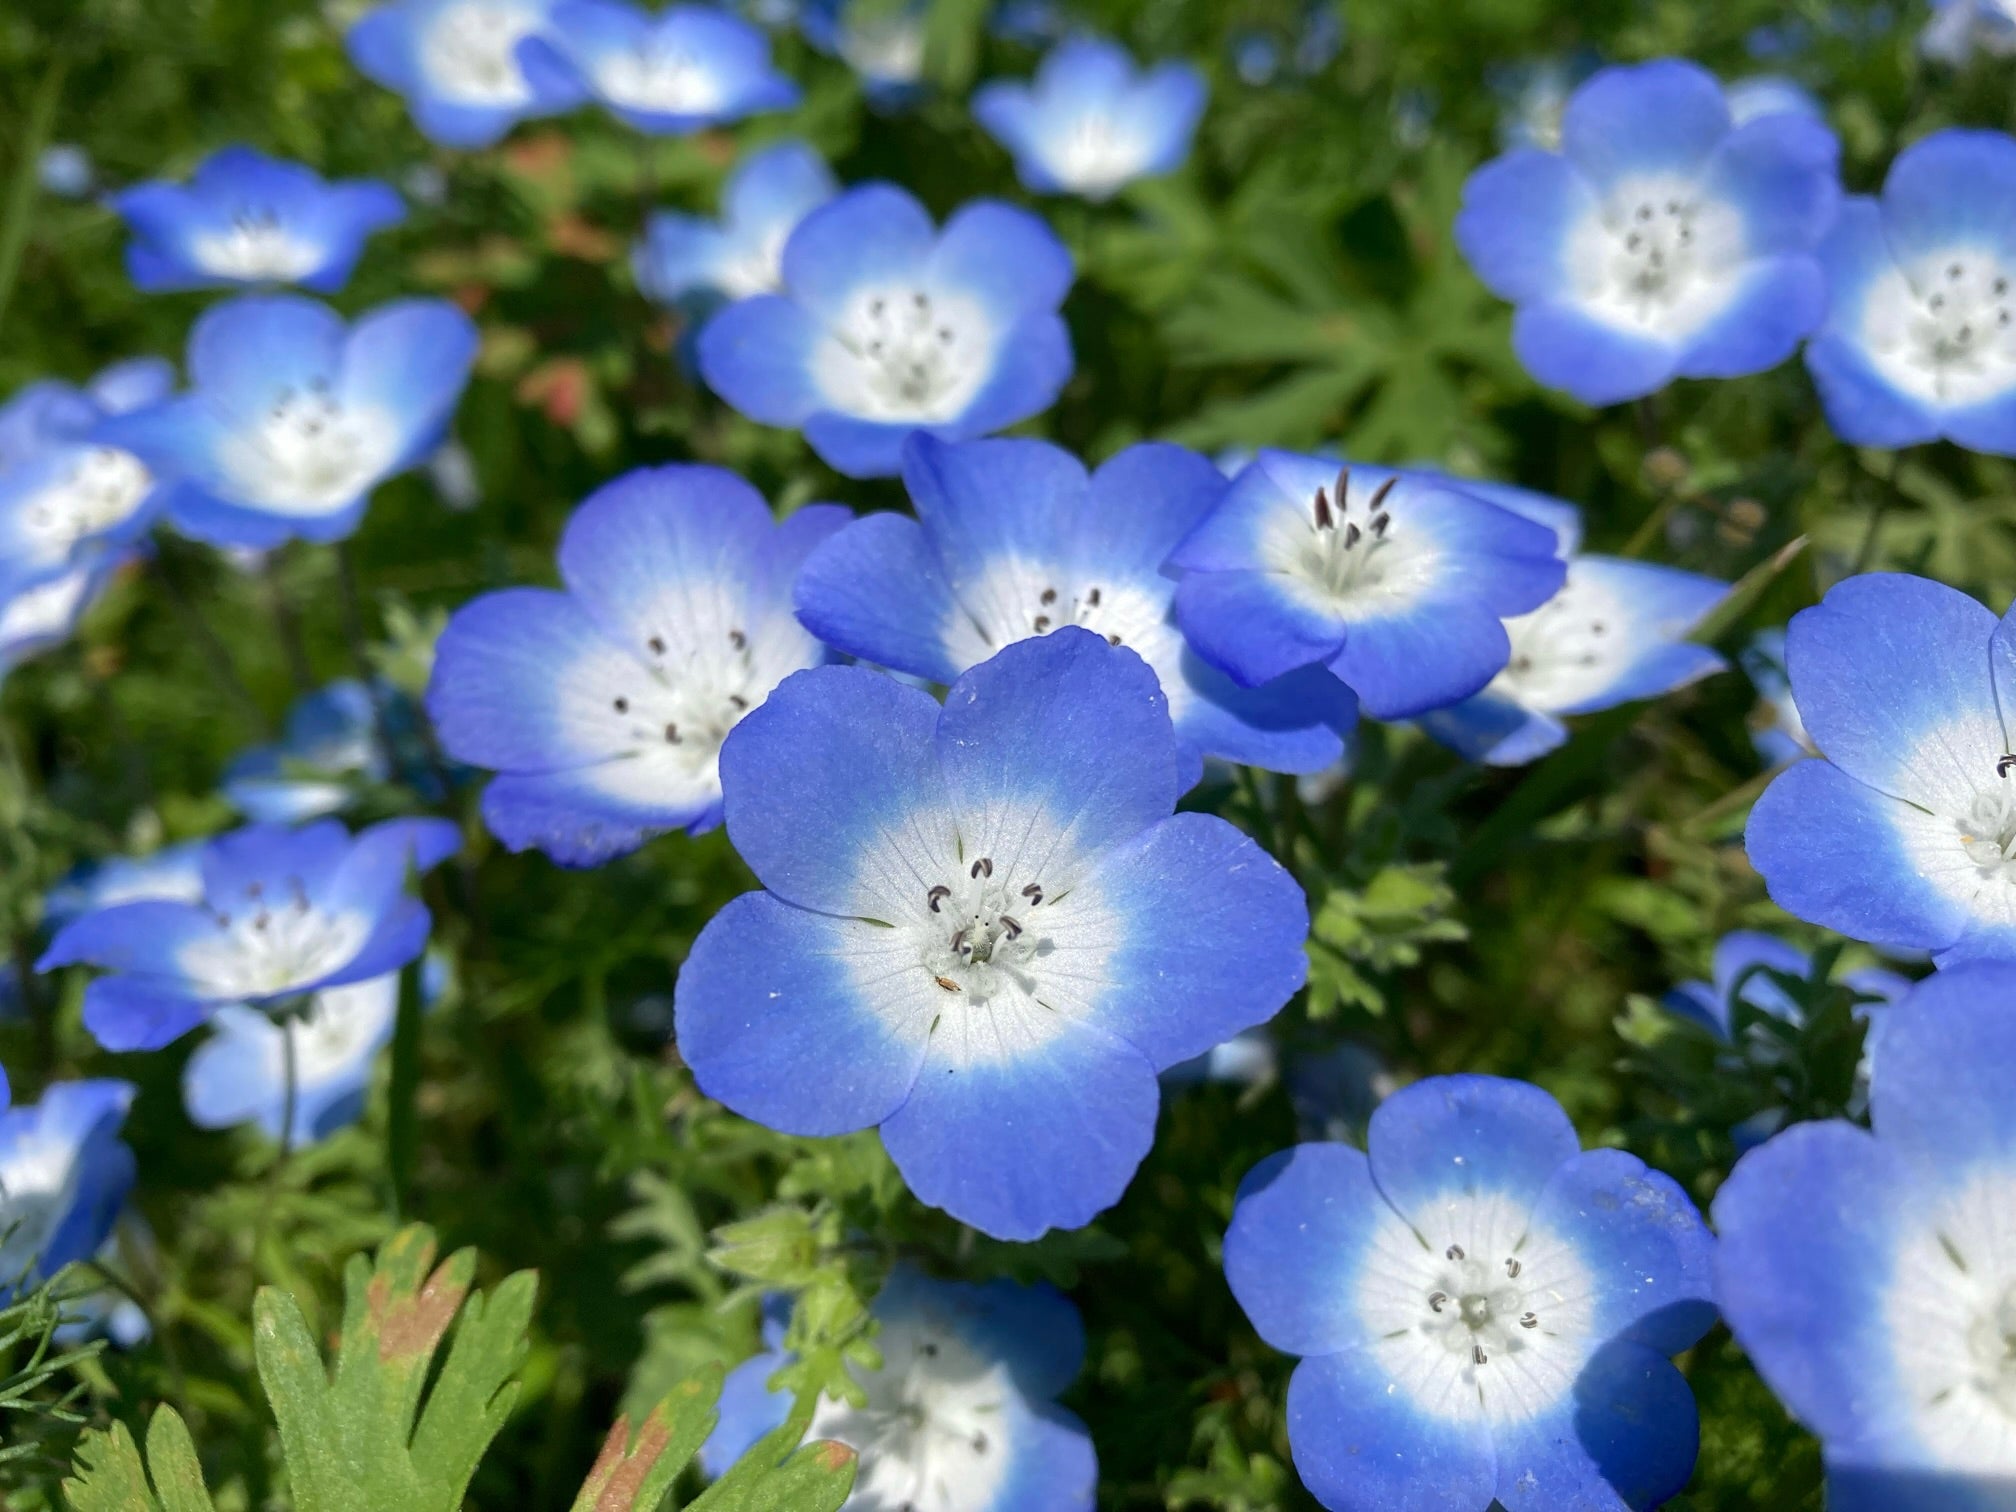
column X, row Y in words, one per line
column 672, row 72
column 1761, row 95
column 1746, row 965
column 248, row 219
column 1399, row 583
column 985, row 932
column 1533, row 96
column 285, row 913
column 1013, row 539
column 690, row 259
column 64, row 1175
column 882, row 42
column 331, row 741
column 1662, row 241
column 52, row 414
column 39, row 618
column 456, row 64
column 1091, row 122
column 887, row 326
column 1776, row 729
column 603, row 708
column 1960, row 28
column 1920, row 337
column 174, row 872
column 1905, row 834
column 1868, row 1273
column 294, row 418
column 1483, row 1308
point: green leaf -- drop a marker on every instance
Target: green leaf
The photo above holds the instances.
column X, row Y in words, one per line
column 635, row 1470
column 110, row 1476
column 776, row 1476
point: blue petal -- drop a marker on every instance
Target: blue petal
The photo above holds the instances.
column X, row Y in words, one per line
column 577, row 820
column 748, row 1410
column 872, row 234
column 1782, row 173
column 374, row 873
column 777, row 186
column 1986, row 427
column 983, row 503
column 271, row 858
column 132, row 384
column 859, row 448
column 1666, row 116
column 1659, row 605
column 1007, row 259
column 1433, row 656
column 1518, row 211
column 127, row 1013
column 1599, row 364
column 145, row 937
column 757, row 354
column 409, row 360
column 1360, row 1446
column 1955, row 189
column 1938, row 1087
column 1782, row 301
column 470, row 127
column 1054, row 1469
column 1047, row 1137
column 875, row 591
column 1862, row 405
column 379, row 42
column 1248, row 625
column 1143, row 502
column 1226, row 538
column 1301, row 1230
column 1442, row 1142
column 1032, row 363
column 1296, row 723
column 1700, row 1004
column 1742, row 959
column 246, row 350
column 1166, row 107
column 1627, row 1438
column 1034, row 1330
column 1494, row 730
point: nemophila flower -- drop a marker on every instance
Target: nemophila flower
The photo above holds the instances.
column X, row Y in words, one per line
column 1776, row 729
column 1905, row 834
column 65, row 170
column 960, row 1416
column 174, row 872
column 882, row 42
column 456, row 64
column 41, row 617
column 285, row 913
column 985, row 932
column 51, row 414
column 1090, row 123
column 1747, row 964
column 248, row 219
column 1919, row 343
column 1399, row 583
column 1960, row 28
column 1013, row 539
column 1484, row 1309
column 1662, row 241
column 603, row 708
column 1868, row 1274
column 1259, row 56
column 688, row 257
column 106, row 1312
column 1761, row 95
column 330, row 741
column 887, row 326
column 293, row 418
column 670, row 72
column 64, row 1174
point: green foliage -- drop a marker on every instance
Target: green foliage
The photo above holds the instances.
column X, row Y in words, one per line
column 38, row 1395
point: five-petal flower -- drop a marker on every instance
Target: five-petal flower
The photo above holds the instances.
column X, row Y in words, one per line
column 688, row 258
column 64, row 1174
column 456, row 63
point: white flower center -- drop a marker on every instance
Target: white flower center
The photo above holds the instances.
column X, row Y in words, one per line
column 903, row 354
column 986, row 931
column 339, row 1023
column 1945, row 331
column 932, row 1436
column 38, row 1182
column 266, row 945
column 1988, row 830
column 45, row 610
column 1564, row 652
column 101, row 489
column 1658, row 256
column 1349, row 558
column 1097, row 155
column 888, row 48
column 659, row 77
column 308, row 453
column 760, row 270
column 682, row 709
column 468, row 53
column 257, row 249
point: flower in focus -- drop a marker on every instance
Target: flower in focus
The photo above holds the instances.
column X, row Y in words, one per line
column 985, row 931
column 670, row 72
column 1662, row 241
column 1868, row 1273
column 1904, row 835
column 603, row 708
column 959, row 1415
column 64, row 1175
column 1920, row 337
column 248, row 219
column 284, row 913
column 456, row 64
column 688, row 258
column 887, row 325
column 1091, row 122
column 293, row 418
column 1399, row 583
column 1483, row 1308
column 1012, row 539
column 1776, row 729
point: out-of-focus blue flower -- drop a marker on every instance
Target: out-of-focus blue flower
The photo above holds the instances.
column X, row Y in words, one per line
column 670, row 73
column 1399, row 583
column 41, row 618
column 456, row 64
column 1033, row 23
column 107, row 1312
column 604, row 708
column 64, row 1175
column 294, row 418
column 1091, row 122
column 1662, row 241
column 331, row 739
column 1960, row 28
column 1614, row 633
column 1905, row 834
column 887, row 326
column 883, row 43
column 52, row 414
column 1920, row 337
column 1762, row 95
column 1744, row 963
column 1012, row 539
column 1776, row 729
column 284, row 914
column 1249, row 1059
column 688, row 259
column 1533, row 96
column 1483, row 1308
column 248, row 219
column 1867, row 1272
column 1334, row 1091
column 960, row 1414
column 66, row 171
column 174, row 873
column 964, row 907
column 1259, row 56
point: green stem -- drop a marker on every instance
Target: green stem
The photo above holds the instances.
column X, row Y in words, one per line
column 292, row 643
column 170, row 1354
column 26, row 186
column 360, row 656
column 402, row 1136
column 1866, row 554
column 289, row 1097
column 213, row 649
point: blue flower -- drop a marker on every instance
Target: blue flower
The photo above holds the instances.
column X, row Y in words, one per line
column 52, row 414
column 285, row 913
column 1533, row 95
column 1483, row 1308
column 1662, row 241
column 1761, row 95
column 64, row 1174
column 985, row 932
column 1919, row 342
column 1905, row 835
column 673, row 72
column 293, row 418
column 66, row 171
column 1092, row 123
column 688, row 258
column 174, row 872
column 1776, row 729
column 1867, row 1273
column 456, row 63
column 1012, row 539
column 604, row 707
column 963, row 1400
column 888, row 326
column 1400, row 583
column 882, row 42
column 1960, row 28
column 1744, row 963
column 246, row 218
column 41, row 617
column 331, row 736
column 1614, row 633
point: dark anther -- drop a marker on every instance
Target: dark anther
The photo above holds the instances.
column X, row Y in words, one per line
column 921, row 301
column 1454, row 1252
column 1632, row 242
column 937, row 895
column 657, row 645
column 1042, row 623
column 928, row 1350
column 1323, row 517
column 1013, row 927
column 2003, row 764
column 738, row 701
column 959, row 940
column 1530, row 1320
column 1379, row 523
column 261, row 920
column 1477, row 1354
column 1437, row 1301
column 1512, row 1269
column 1092, row 598
column 979, row 1443
column 622, row 706
column 1112, row 640
column 1351, row 536
column 876, row 306
column 983, row 867
column 1954, row 270
column 738, row 640
column 672, row 734
column 1049, row 596
column 1034, row 893
column 1379, row 494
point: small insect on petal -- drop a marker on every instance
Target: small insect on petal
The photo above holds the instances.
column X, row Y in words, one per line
column 947, row 983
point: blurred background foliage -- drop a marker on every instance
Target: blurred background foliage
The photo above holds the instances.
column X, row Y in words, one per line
column 1295, row 285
